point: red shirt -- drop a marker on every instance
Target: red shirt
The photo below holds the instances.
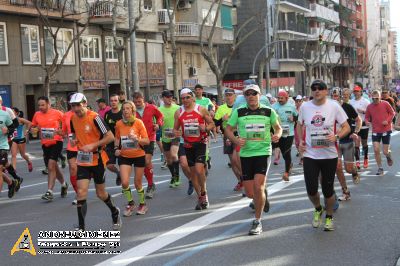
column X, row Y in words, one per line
column 48, row 122
column 376, row 113
column 150, row 114
column 190, row 122
column 66, row 128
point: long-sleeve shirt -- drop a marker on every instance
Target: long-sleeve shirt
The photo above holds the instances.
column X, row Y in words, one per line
column 151, row 116
column 377, row 113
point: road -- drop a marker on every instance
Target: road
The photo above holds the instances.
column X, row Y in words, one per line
column 173, row 233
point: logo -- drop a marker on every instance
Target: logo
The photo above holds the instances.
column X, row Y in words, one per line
column 24, row 243
column 317, row 120
column 87, row 128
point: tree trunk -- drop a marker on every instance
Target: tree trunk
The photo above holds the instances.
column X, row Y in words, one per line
column 121, row 69
column 174, row 60
column 46, row 86
column 260, row 77
column 220, row 86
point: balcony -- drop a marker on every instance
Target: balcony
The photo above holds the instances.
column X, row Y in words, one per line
column 327, row 35
column 163, row 18
column 50, row 8
column 227, row 35
column 294, row 52
column 187, row 29
column 300, row 6
column 323, row 13
column 292, row 27
column 101, row 12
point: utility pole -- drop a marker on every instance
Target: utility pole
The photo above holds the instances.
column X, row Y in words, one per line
column 267, row 40
column 134, row 68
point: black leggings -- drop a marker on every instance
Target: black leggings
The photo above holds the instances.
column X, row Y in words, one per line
column 285, row 145
column 312, row 168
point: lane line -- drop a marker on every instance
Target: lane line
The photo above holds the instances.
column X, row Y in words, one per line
column 157, row 243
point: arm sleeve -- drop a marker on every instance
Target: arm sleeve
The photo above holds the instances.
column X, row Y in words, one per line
column 34, row 122
column 101, row 126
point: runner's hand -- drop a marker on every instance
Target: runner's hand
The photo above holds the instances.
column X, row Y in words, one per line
column 240, row 142
column 331, row 137
column 4, row 130
column 275, row 138
column 202, row 127
column 302, row 147
column 156, row 127
column 89, row 147
column 354, row 136
column 385, row 123
column 117, row 153
column 177, row 133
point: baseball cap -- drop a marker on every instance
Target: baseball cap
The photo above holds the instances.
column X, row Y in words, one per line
column 253, row 87
column 229, row 90
column 319, row 83
column 298, row 97
column 100, row 100
column 249, row 82
column 166, row 94
column 186, row 90
column 283, row 93
column 78, row 98
column 269, row 95
column 357, row 88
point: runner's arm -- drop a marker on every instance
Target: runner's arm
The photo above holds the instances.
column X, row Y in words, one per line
column 176, row 124
column 209, row 121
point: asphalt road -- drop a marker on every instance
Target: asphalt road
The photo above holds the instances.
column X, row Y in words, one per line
column 173, row 233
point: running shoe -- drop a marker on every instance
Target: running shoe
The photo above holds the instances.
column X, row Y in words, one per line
column 198, row 204
column 48, row 196
column 365, row 163
column 380, row 171
column 389, row 159
column 297, row 154
column 11, row 188
column 118, row 180
column 75, row 202
column 276, row 161
column 329, row 224
column 177, row 181
column 129, row 209
column 256, row 228
column 172, row 182
column 18, row 183
column 64, row 190
column 356, row 178
column 150, row 191
column 164, row 165
column 142, row 209
column 317, row 220
column 358, row 165
column 190, row 188
column 117, row 221
column 229, row 165
column 63, row 162
column 345, row 196
column 238, row 187
column 30, row 167
column 285, row 177
column 45, row 171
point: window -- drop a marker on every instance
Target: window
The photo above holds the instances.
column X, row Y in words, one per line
column 30, row 44
column 63, row 39
column 148, row 5
column 188, row 60
column 211, row 17
column 111, row 53
column 3, row 44
column 90, row 48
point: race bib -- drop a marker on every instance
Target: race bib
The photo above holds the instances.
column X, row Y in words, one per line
column 85, row 157
column 127, row 143
column 169, row 133
column 285, row 130
column 192, row 129
column 48, row 133
column 319, row 140
column 255, row 132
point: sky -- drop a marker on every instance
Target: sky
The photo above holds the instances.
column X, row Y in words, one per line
column 395, row 19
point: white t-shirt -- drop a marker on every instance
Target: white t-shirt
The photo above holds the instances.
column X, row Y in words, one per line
column 360, row 106
column 320, row 121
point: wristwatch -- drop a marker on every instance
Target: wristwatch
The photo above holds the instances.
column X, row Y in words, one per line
column 337, row 137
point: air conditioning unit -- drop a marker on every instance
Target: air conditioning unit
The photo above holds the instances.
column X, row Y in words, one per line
column 192, row 71
column 184, row 4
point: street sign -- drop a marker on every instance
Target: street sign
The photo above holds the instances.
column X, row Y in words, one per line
column 253, row 76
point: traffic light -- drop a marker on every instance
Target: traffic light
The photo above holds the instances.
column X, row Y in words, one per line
column 320, row 39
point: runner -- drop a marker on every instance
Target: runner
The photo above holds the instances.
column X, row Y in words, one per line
column 192, row 122
column 49, row 122
column 380, row 115
column 288, row 116
column 89, row 134
column 360, row 104
column 253, row 122
column 152, row 119
column 221, row 119
column 170, row 143
column 72, row 152
column 130, row 136
column 111, row 118
column 298, row 102
column 19, row 140
column 346, row 144
column 317, row 132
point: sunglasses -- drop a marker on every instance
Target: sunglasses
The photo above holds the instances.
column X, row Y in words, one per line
column 314, row 88
column 252, row 93
column 186, row 97
column 375, row 99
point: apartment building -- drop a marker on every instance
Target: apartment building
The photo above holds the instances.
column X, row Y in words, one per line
column 374, row 71
column 385, row 28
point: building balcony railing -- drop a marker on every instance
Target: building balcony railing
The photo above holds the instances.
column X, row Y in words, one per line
column 293, row 27
column 227, row 35
column 294, row 6
column 102, row 11
column 187, row 29
column 163, row 17
column 327, row 35
column 323, row 13
column 51, row 5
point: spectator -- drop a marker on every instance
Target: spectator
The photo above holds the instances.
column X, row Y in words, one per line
column 103, row 107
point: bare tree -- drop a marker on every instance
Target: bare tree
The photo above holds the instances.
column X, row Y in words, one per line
column 67, row 10
column 219, row 65
column 120, row 47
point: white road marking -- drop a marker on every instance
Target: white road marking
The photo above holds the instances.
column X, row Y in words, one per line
column 157, row 243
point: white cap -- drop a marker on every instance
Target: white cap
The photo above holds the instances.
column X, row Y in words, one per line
column 78, row 98
column 186, row 90
column 253, row 87
column 269, row 95
column 298, row 97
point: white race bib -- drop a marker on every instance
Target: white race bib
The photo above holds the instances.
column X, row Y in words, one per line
column 127, row 143
column 285, row 130
column 255, row 132
column 319, row 140
column 85, row 157
column 48, row 133
column 192, row 129
column 169, row 133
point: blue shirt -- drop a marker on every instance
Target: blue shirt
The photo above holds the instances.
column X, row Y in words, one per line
column 284, row 111
column 5, row 121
